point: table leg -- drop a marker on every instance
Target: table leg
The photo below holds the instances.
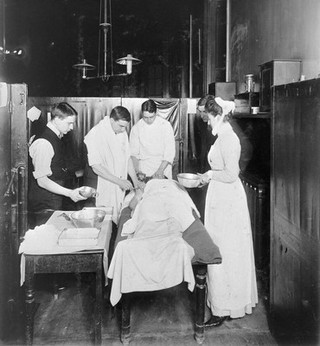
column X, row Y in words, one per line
column 201, row 272
column 98, row 307
column 125, row 322
column 30, row 305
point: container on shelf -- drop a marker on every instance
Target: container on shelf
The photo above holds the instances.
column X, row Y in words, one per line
column 277, row 72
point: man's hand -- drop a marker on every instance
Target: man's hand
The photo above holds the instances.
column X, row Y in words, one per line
column 141, row 185
column 204, row 178
column 125, row 184
column 158, row 174
column 141, row 176
column 75, row 195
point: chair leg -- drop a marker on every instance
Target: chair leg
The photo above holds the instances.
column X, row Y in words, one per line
column 201, row 272
column 125, row 319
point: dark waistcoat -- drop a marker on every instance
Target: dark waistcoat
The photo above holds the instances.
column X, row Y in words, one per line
column 39, row 198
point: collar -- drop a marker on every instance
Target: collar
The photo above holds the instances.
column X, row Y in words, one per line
column 144, row 124
column 54, row 129
column 225, row 127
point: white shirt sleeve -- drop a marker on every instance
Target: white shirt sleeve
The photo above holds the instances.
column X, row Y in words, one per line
column 134, row 142
column 41, row 152
column 169, row 147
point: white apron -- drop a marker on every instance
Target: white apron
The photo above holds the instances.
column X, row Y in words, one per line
column 232, row 289
column 112, row 151
column 152, row 144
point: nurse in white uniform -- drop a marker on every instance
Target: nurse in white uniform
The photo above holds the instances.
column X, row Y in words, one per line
column 152, row 143
column 232, row 288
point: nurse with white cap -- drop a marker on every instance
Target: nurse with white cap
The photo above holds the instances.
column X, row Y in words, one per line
column 232, row 288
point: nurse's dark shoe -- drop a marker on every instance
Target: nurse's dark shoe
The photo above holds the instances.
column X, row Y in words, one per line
column 215, row 321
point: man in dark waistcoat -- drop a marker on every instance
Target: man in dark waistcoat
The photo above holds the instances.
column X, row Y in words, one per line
column 46, row 190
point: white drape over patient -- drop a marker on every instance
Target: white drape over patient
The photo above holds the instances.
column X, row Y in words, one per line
column 155, row 256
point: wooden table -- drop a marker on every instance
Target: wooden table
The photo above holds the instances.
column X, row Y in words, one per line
column 64, row 260
column 201, row 272
column 77, row 262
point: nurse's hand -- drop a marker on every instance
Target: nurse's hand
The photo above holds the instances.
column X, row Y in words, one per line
column 125, row 184
column 204, row 179
column 76, row 196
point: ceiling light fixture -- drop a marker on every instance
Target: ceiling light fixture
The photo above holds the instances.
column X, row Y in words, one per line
column 105, row 40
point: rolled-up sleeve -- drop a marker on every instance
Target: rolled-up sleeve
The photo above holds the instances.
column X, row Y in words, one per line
column 41, row 153
column 169, row 144
column 134, row 142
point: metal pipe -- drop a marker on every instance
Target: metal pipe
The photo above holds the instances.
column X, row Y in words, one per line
column 199, row 46
column 190, row 58
column 22, row 200
column 4, row 29
column 111, row 39
column 105, row 37
column 228, row 72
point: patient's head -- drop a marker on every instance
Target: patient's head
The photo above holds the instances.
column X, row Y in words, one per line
column 151, row 188
column 155, row 184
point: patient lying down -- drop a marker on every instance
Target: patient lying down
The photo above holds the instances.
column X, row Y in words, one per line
column 162, row 202
column 154, row 256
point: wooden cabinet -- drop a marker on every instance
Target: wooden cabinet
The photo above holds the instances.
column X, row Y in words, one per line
column 13, row 201
column 276, row 72
column 254, row 134
column 258, row 197
column 295, row 213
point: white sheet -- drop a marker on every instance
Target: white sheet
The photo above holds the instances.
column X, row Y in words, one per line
column 44, row 240
column 155, row 257
column 162, row 199
column 150, row 264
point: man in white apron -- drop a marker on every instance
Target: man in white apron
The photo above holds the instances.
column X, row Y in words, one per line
column 109, row 157
column 152, row 143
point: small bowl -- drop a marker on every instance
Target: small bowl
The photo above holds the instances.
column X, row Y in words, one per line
column 87, row 191
column 88, row 218
column 188, row 180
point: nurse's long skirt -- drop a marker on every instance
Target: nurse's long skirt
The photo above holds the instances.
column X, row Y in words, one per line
column 232, row 287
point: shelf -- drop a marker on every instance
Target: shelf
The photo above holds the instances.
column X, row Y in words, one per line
column 246, row 95
column 265, row 115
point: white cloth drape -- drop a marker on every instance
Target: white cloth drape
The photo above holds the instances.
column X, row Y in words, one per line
column 111, row 150
column 43, row 240
column 155, row 257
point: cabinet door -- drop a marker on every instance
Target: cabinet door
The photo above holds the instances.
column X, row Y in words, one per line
column 5, row 167
column 13, row 199
column 295, row 211
column 266, row 82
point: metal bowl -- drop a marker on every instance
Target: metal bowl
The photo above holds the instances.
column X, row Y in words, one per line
column 88, row 218
column 87, row 191
column 188, row 180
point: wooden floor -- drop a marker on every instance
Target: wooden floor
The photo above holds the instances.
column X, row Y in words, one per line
column 159, row 318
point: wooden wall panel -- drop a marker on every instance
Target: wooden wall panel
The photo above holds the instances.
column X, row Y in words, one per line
column 295, row 241
column 286, row 123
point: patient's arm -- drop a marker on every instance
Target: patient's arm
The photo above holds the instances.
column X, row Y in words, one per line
column 135, row 199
